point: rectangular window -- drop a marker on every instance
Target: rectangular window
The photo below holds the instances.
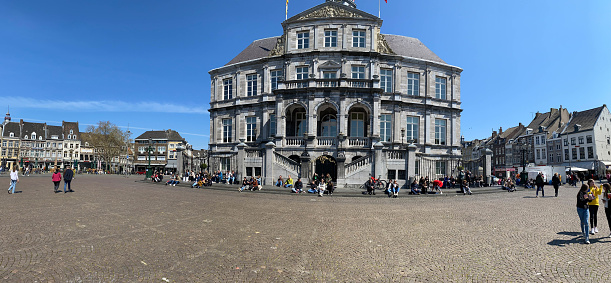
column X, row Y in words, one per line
column 329, row 75
column 141, row 149
column 357, row 124
column 559, row 156
column 275, row 76
column 391, row 174
column 573, row 141
column 411, row 129
column 590, row 152
column 303, row 40
column 401, row 175
column 161, row 149
column 543, row 153
column 272, row 124
column 551, row 157
column 440, row 131
column 537, row 140
column 141, row 157
column 566, row 142
column 300, row 123
column 162, row 158
column 558, row 146
column 227, row 130
column 3, row 143
column 538, row 154
column 358, row 72
column 440, row 167
column 386, row 80
column 301, row 72
column 251, row 129
column 225, row 163
column 251, row 88
column 413, row 84
column 227, row 89
column 543, row 140
column 330, row 38
column 551, row 147
column 386, row 127
column 358, row 38
column 582, row 153
column 417, row 167
column 580, row 140
column 589, row 139
column 440, row 88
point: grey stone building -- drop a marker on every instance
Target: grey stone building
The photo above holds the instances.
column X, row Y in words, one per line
column 334, row 95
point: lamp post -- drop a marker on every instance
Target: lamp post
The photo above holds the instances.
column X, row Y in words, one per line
column 402, row 136
column 149, row 149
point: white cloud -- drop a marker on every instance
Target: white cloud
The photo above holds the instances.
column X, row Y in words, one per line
column 103, row 106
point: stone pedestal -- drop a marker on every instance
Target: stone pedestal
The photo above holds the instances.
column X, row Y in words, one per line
column 488, row 166
column 305, row 167
column 379, row 161
column 410, row 162
column 240, row 161
column 268, row 178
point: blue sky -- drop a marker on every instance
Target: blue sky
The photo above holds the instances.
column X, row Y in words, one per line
column 145, row 63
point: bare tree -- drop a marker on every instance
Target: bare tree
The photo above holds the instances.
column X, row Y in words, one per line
column 108, row 139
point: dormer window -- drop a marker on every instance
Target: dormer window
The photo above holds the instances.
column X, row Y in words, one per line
column 303, row 40
column 577, row 127
column 12, row 135
column 25, row 137
column 39, row 138
column 69, row 137
column 71, row 132
column 33, row 136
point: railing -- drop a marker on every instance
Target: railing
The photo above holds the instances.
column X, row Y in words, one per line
column 253, row 153
column 296, row 84
column 324, row 83
column 287, row 163
column 294, row 141
column 395, row 154
column 360, row 142
column 358, row 164
column 360, row 84
column 333, row 83
column 327, row 141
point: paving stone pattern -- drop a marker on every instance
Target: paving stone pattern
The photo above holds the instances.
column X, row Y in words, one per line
column 116, row 229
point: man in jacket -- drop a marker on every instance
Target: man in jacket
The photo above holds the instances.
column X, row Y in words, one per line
column 540, row 183
column 556, row 183
column 68, row 175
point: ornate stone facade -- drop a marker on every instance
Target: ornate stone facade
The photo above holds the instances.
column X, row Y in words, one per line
column 334, row 95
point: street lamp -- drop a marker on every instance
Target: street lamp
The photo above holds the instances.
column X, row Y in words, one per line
column 149, row 149
column 402, row 136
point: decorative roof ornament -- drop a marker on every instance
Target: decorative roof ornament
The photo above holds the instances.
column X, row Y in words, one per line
column 279, row 48
column 383, row 46
column 330, row 12
column 349, row 3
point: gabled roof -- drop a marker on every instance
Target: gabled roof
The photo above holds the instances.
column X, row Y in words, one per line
column 512, row 132
column 586, row 119
column 169, row 135
column 71, row 126
column 28, row 128
column 12, row 127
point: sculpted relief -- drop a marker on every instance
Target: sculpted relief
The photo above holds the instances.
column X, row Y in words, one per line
column 330, row 12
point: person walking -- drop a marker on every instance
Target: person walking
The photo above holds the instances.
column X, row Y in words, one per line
column 556, row 183
column 540, row 184
column 14, row 180
column 583, row 211
column 606, row 199
column 56, row 178
column 68, row 175
column 593, row 205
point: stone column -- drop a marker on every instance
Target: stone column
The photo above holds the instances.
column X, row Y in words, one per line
column 488, row 166
column 241, row 167
column 379, row 160
column 410, row 162
column 341, row 171
column 269, row 163
column 305, row 167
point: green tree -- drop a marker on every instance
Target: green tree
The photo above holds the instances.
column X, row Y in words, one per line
column 108, row 139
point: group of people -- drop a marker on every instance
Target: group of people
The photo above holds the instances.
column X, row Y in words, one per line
column 319, row 185
column 588, row 201
column 56, row 178
column 252, row 184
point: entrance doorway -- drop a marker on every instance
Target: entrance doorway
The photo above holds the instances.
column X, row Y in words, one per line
column 326, row 164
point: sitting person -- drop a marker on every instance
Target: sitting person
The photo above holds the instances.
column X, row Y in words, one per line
column 173, row 181
column 198, row 184
column 280, row 181
column 466, row 189
column 313, row 188
column 370, row 187
column 509, row 186
column 298, row 187
column 321, row 188
column 394, row 189
column 414, row 189
column 330, row 188
column 289, row 182
column 245, row 184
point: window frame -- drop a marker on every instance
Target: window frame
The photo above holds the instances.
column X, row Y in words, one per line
column 359, row 38
column 386, row 127
column 413, row 84
column 251, row 85
column 441, row 91
column 251, row 128
column 228, row 89
column 330, row 38
column 412, row 129
column 441, row 135
column 386, row 81
column 358, row 71
column 303, row 40
column 227, row 125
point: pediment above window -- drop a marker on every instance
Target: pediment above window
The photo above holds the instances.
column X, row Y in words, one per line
column 330, row 65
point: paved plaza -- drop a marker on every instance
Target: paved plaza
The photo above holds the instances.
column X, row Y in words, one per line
column 117, row 229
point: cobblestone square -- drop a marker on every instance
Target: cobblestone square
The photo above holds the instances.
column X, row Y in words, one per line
column 117, row 229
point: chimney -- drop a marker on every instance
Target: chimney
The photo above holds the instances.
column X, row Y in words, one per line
column 500, row 130
column 493, row 134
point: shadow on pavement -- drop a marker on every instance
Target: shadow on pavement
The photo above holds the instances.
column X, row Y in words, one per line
column 577, row 239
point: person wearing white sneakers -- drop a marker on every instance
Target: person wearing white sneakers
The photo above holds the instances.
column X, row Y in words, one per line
column 606, row 199
column 593, row 205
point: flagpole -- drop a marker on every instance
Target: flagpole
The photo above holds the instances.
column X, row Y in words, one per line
column 286, row 13
column 379, row 8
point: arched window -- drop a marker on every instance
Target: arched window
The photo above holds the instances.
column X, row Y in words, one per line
column 33, row 136
column 71, row 132
column 25, row 137
column 11, row 135
column 329, row 126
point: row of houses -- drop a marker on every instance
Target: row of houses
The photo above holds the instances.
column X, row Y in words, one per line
column 553, row 142
column 40, row 146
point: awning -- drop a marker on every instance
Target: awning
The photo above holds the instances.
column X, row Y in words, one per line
column 576, row 169
column 607, row 163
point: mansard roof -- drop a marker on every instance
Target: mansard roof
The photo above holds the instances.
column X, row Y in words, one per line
column 411, row 47
column 169, row 135
column 260, row 48
column 71, row 126
column 586, row 119
column 55, row 131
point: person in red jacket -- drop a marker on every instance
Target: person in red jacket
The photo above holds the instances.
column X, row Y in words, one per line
column 56, row 178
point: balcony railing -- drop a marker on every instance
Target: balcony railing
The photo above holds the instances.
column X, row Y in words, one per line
column 294, row 141
column 327, row 83
column 358, row 142
column 322, row 141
